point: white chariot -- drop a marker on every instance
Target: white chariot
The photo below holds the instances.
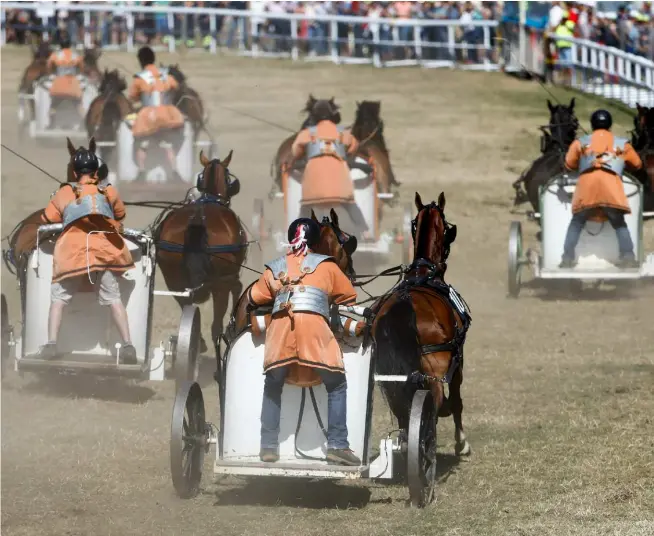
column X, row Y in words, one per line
column 597, row 250
column 40, row 119
column 303, row 423
column 156, row 175
column 88, row 337
column 367, row 199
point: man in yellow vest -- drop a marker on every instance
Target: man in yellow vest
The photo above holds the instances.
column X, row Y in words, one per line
column 565, row 29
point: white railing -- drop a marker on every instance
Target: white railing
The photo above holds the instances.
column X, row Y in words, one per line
column 340, row 39
column 595, row 69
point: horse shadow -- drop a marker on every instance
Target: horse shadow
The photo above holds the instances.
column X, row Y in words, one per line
column 87, row 387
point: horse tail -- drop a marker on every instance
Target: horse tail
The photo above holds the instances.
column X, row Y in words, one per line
column 196, row 257
column 396, row 339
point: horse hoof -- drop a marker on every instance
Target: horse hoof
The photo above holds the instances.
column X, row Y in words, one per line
column 463, row 448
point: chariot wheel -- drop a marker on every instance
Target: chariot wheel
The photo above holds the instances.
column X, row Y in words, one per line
column 421, row 449
column 188, row 440
column 407, row 236
column 186, row 364
column 6, row 329
column 515, row 256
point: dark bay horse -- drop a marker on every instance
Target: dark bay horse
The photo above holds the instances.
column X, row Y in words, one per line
column 188, row 100
column 107, row 110
column 37, row 68
column 202, row 245
column 368, row 128
column 91, row 69
column 333, row 241
column 419, row 330
column 642, row 139
column 557, row 137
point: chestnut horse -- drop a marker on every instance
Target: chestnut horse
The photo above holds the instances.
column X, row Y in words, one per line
column 107, row 110
column 202, row 245
column 187, row 100
column 419, row 327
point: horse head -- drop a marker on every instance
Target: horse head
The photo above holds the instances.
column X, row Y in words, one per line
column 103, row 170
column 644, row 123
column 368, row 124
column 177, row 74
column 42, row 51
column 563, row 123
column 112, row 82
column 91, row 69
column 215, row 179
column 336, row 243
column 432, row 234
column 319, row 110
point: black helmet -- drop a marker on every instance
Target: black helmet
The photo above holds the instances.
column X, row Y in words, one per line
column 311, row 231
column 325, row 110
column 601, row 119
column 85, row 162
column 145, row 56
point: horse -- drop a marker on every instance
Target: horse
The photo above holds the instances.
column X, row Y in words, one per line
column 642, row 140
column 90, row 68
column 108, row 109
column 22, row 240
column 202, row 245
column 37, row 69
column 368, row 128
column 562, row 128
column 418, row 330
column 333, row 242
column 187, row 100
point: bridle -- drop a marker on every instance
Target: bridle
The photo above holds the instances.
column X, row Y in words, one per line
column 223, row 199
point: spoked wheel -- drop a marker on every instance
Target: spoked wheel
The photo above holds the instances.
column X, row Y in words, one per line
column 188, row 345
column 421, row 449
column 407, row 242
column 188, row 440
column 6, row 329
column 515, row 258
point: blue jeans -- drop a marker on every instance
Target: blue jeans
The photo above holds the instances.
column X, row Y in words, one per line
column 616, row 219
column 336, row 386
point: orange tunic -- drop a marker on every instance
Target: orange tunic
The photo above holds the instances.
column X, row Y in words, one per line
column 598, row 188
column 66, row 86
column 303, row 339
column 106, row 250
column 152, row 119
column 326, row 179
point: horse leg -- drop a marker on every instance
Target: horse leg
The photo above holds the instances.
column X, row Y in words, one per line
column 462, row 447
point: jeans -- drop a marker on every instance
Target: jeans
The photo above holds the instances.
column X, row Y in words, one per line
column 616, row 219
column 336, row 386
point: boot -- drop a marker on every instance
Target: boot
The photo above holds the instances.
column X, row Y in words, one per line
column 628, row 261
column 567, row 263
column 128, row 354
column 48, row 350
column 343, row 457
column 268, row 455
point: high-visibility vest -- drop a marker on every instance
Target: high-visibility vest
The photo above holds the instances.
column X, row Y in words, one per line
column 563, row 30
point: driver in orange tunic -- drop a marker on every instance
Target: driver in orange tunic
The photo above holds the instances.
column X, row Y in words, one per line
column 302, row 285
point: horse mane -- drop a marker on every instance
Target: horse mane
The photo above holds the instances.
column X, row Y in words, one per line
column 368, row 124
column 176, row 73
column 42, row 52
column 112, row 81
column 91, row 56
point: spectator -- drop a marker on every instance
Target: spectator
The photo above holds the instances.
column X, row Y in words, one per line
column 404, row 11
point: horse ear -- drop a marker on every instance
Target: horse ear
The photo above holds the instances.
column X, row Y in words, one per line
column 419, row 204
column 549, row 105
column 314, row 217
column 71, row 147
column 203, row 159
column 92, row 144
column 334, row 217
column 572, row 104
column 227, row 160
column 441, row 201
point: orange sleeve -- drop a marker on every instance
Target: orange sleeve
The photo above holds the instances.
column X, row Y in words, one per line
column 54, row 212
column 631, row 157
column 116, row 203
column 261, row 293
column 135, row 90
column 350, row 142
column 343, row 292
column 573, row 156
column 297, row 149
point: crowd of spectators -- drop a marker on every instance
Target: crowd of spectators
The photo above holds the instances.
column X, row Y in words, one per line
column 626, row 29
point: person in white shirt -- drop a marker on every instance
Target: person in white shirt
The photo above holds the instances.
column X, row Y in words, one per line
column 556, row 14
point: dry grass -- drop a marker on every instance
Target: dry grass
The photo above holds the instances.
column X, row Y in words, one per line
column 557, row 392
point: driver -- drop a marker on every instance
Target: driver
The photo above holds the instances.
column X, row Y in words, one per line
column 600, row 159
column 89, row 243
column 299, row 335
column 65, row 64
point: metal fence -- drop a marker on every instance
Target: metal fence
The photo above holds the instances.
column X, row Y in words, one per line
column 382, row 42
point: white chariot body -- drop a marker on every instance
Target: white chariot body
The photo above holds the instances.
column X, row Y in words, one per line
column 597, row 251
column 65, row 119
column 88, row 341
column 302, row 437
column 367, row 199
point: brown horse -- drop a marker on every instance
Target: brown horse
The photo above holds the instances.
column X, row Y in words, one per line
column 333, row 242
column 91, row 69
column 202, row 245
column 419, row 329
column 188, row 100
column 107, row 110
column 34, row 71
